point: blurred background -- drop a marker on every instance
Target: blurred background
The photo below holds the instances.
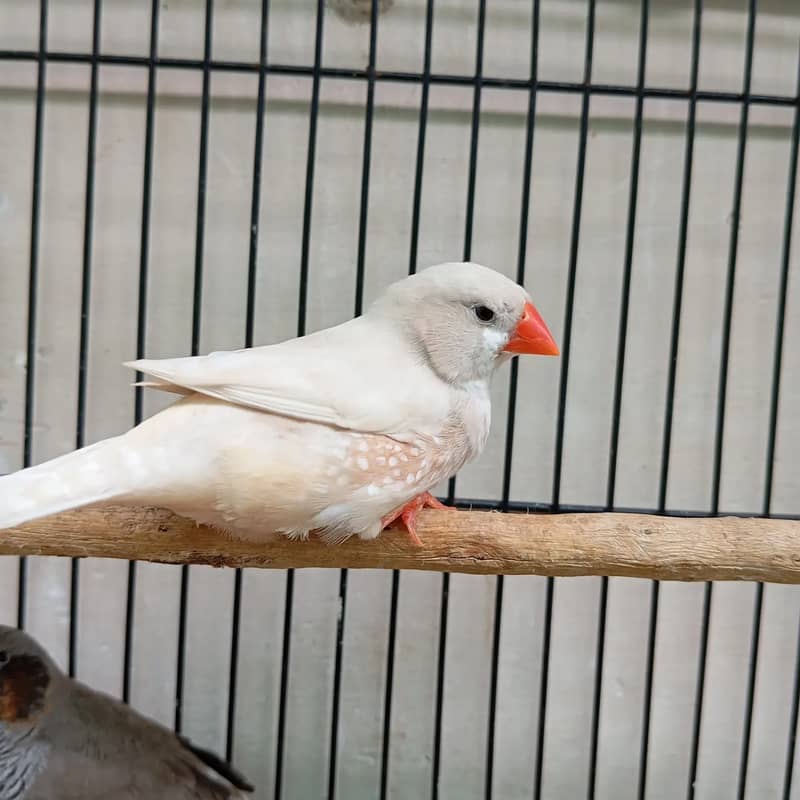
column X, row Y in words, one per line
column 162, row 194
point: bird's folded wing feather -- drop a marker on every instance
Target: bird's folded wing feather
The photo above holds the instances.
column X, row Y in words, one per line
column 354, row 376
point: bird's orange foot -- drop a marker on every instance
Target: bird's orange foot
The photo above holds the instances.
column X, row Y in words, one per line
column 407, row 514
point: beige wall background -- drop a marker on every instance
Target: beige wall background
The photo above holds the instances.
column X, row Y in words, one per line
column 115, row 259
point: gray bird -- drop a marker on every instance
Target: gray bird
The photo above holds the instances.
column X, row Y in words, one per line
column 60, row 740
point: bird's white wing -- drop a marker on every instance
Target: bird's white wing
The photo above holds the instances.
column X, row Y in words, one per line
column 358, row 376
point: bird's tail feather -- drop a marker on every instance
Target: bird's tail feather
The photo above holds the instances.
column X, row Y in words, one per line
column 89, row 475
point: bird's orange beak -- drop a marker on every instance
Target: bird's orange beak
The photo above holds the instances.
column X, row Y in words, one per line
column 531, row 336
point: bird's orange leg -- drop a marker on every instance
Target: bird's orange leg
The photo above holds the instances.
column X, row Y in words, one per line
column 407, row 514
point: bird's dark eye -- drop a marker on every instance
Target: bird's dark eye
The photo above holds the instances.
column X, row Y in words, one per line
column 484, row 313
column 4, row 658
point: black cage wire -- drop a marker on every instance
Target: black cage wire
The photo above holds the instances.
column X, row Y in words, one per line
column 586, row 89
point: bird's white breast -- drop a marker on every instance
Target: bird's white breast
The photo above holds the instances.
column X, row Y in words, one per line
column 476, row 415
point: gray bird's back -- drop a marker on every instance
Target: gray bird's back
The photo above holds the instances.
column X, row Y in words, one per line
column 100, row 749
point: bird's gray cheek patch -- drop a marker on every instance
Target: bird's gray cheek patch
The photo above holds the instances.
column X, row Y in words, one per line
column 23, row 684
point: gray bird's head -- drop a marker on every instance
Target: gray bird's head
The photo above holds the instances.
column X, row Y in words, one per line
column 26, row 676
column 466, row 319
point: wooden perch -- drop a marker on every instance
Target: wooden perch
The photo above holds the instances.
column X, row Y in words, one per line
column 638, row 545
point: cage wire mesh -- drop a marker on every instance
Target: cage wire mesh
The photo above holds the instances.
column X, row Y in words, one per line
column 179, row 177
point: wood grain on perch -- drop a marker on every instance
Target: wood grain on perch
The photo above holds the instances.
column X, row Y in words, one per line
column 638, row 545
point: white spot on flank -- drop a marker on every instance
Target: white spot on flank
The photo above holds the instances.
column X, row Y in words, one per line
column 410, row 477
column 424, row 463
column 397, row 448
column 392, row 461
column 403, row 457
column 362, row 463
column 372, row 490
column 363, row 447
column 414, row 451
column 419, row 474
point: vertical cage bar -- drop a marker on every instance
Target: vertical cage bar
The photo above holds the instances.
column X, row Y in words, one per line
column 544, row 682
column 780, row 318
column 780, row 324
column 423, row 128
column 86, row 295
column 522, row 246
column 573, row 261
column 387, row 701
column 440, row 674
column 337, row 681
column 309, row 189
column 33, row 284
column 197, row 307
column 672, row 368
column 141, row 323
column 252, row 272
column 359, row 303
column 301, row 329
column 744, row 760
column 622, row 336
column 412, row 268
column 788, row 772
column 451, row 488
column 723, row 385
column 563, row 380
column 473, row 144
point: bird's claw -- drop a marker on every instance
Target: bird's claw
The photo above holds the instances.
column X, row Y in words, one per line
column 407, row 514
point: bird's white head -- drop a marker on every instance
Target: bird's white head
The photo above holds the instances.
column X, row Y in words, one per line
column 27, row 675
column 465, row 319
